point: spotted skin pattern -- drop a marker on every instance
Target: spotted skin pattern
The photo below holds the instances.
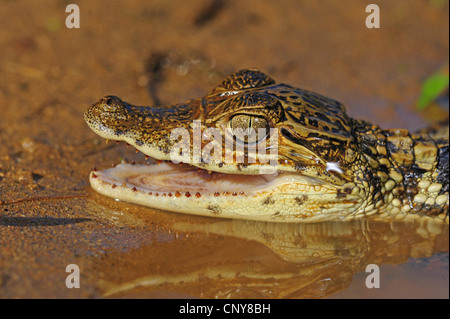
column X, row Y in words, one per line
column 388, row 173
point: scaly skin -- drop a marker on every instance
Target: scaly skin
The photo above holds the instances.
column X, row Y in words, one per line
column 329, row 166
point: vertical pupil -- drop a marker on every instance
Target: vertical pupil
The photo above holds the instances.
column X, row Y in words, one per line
column 245, row 128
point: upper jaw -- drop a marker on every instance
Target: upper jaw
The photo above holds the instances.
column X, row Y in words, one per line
column 281, row 165
column 160, row 147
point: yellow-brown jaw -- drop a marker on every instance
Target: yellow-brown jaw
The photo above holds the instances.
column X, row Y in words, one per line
column 306, row 164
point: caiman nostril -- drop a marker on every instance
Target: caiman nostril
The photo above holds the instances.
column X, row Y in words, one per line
column 112, row 99
column 111, row 102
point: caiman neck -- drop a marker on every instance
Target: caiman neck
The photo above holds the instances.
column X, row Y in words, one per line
column 411, row 170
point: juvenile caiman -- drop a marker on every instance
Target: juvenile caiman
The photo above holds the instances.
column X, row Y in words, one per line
column 328, row 166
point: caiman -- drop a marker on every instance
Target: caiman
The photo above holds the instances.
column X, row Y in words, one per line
column 324, row 166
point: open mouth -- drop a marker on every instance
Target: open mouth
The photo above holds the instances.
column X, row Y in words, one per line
column 177, row 180
column 168, row 179
column 281, row 196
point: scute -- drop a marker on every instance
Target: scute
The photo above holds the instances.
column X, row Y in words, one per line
column 311, row 112
column 244, row 79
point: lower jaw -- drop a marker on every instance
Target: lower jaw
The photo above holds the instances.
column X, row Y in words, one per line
column 190, row 190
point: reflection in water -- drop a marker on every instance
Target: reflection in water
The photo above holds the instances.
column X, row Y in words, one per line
column 211, row 258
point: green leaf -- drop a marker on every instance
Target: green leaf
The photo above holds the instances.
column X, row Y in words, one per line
column 53, row 24
column 432, row 87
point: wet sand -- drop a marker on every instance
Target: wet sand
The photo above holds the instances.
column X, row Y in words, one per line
column 162, row 52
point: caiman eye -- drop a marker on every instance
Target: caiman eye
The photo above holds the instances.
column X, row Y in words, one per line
column 249, row 129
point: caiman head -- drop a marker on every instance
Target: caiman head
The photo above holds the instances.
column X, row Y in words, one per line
column 250, row 149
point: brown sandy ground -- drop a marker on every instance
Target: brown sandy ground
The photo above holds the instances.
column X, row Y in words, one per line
column 165, row 52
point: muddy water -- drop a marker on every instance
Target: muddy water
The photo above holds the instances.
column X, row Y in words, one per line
column 163, row 52
column 218, row 258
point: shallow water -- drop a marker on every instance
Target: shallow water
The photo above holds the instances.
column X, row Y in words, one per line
column 201, row 257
